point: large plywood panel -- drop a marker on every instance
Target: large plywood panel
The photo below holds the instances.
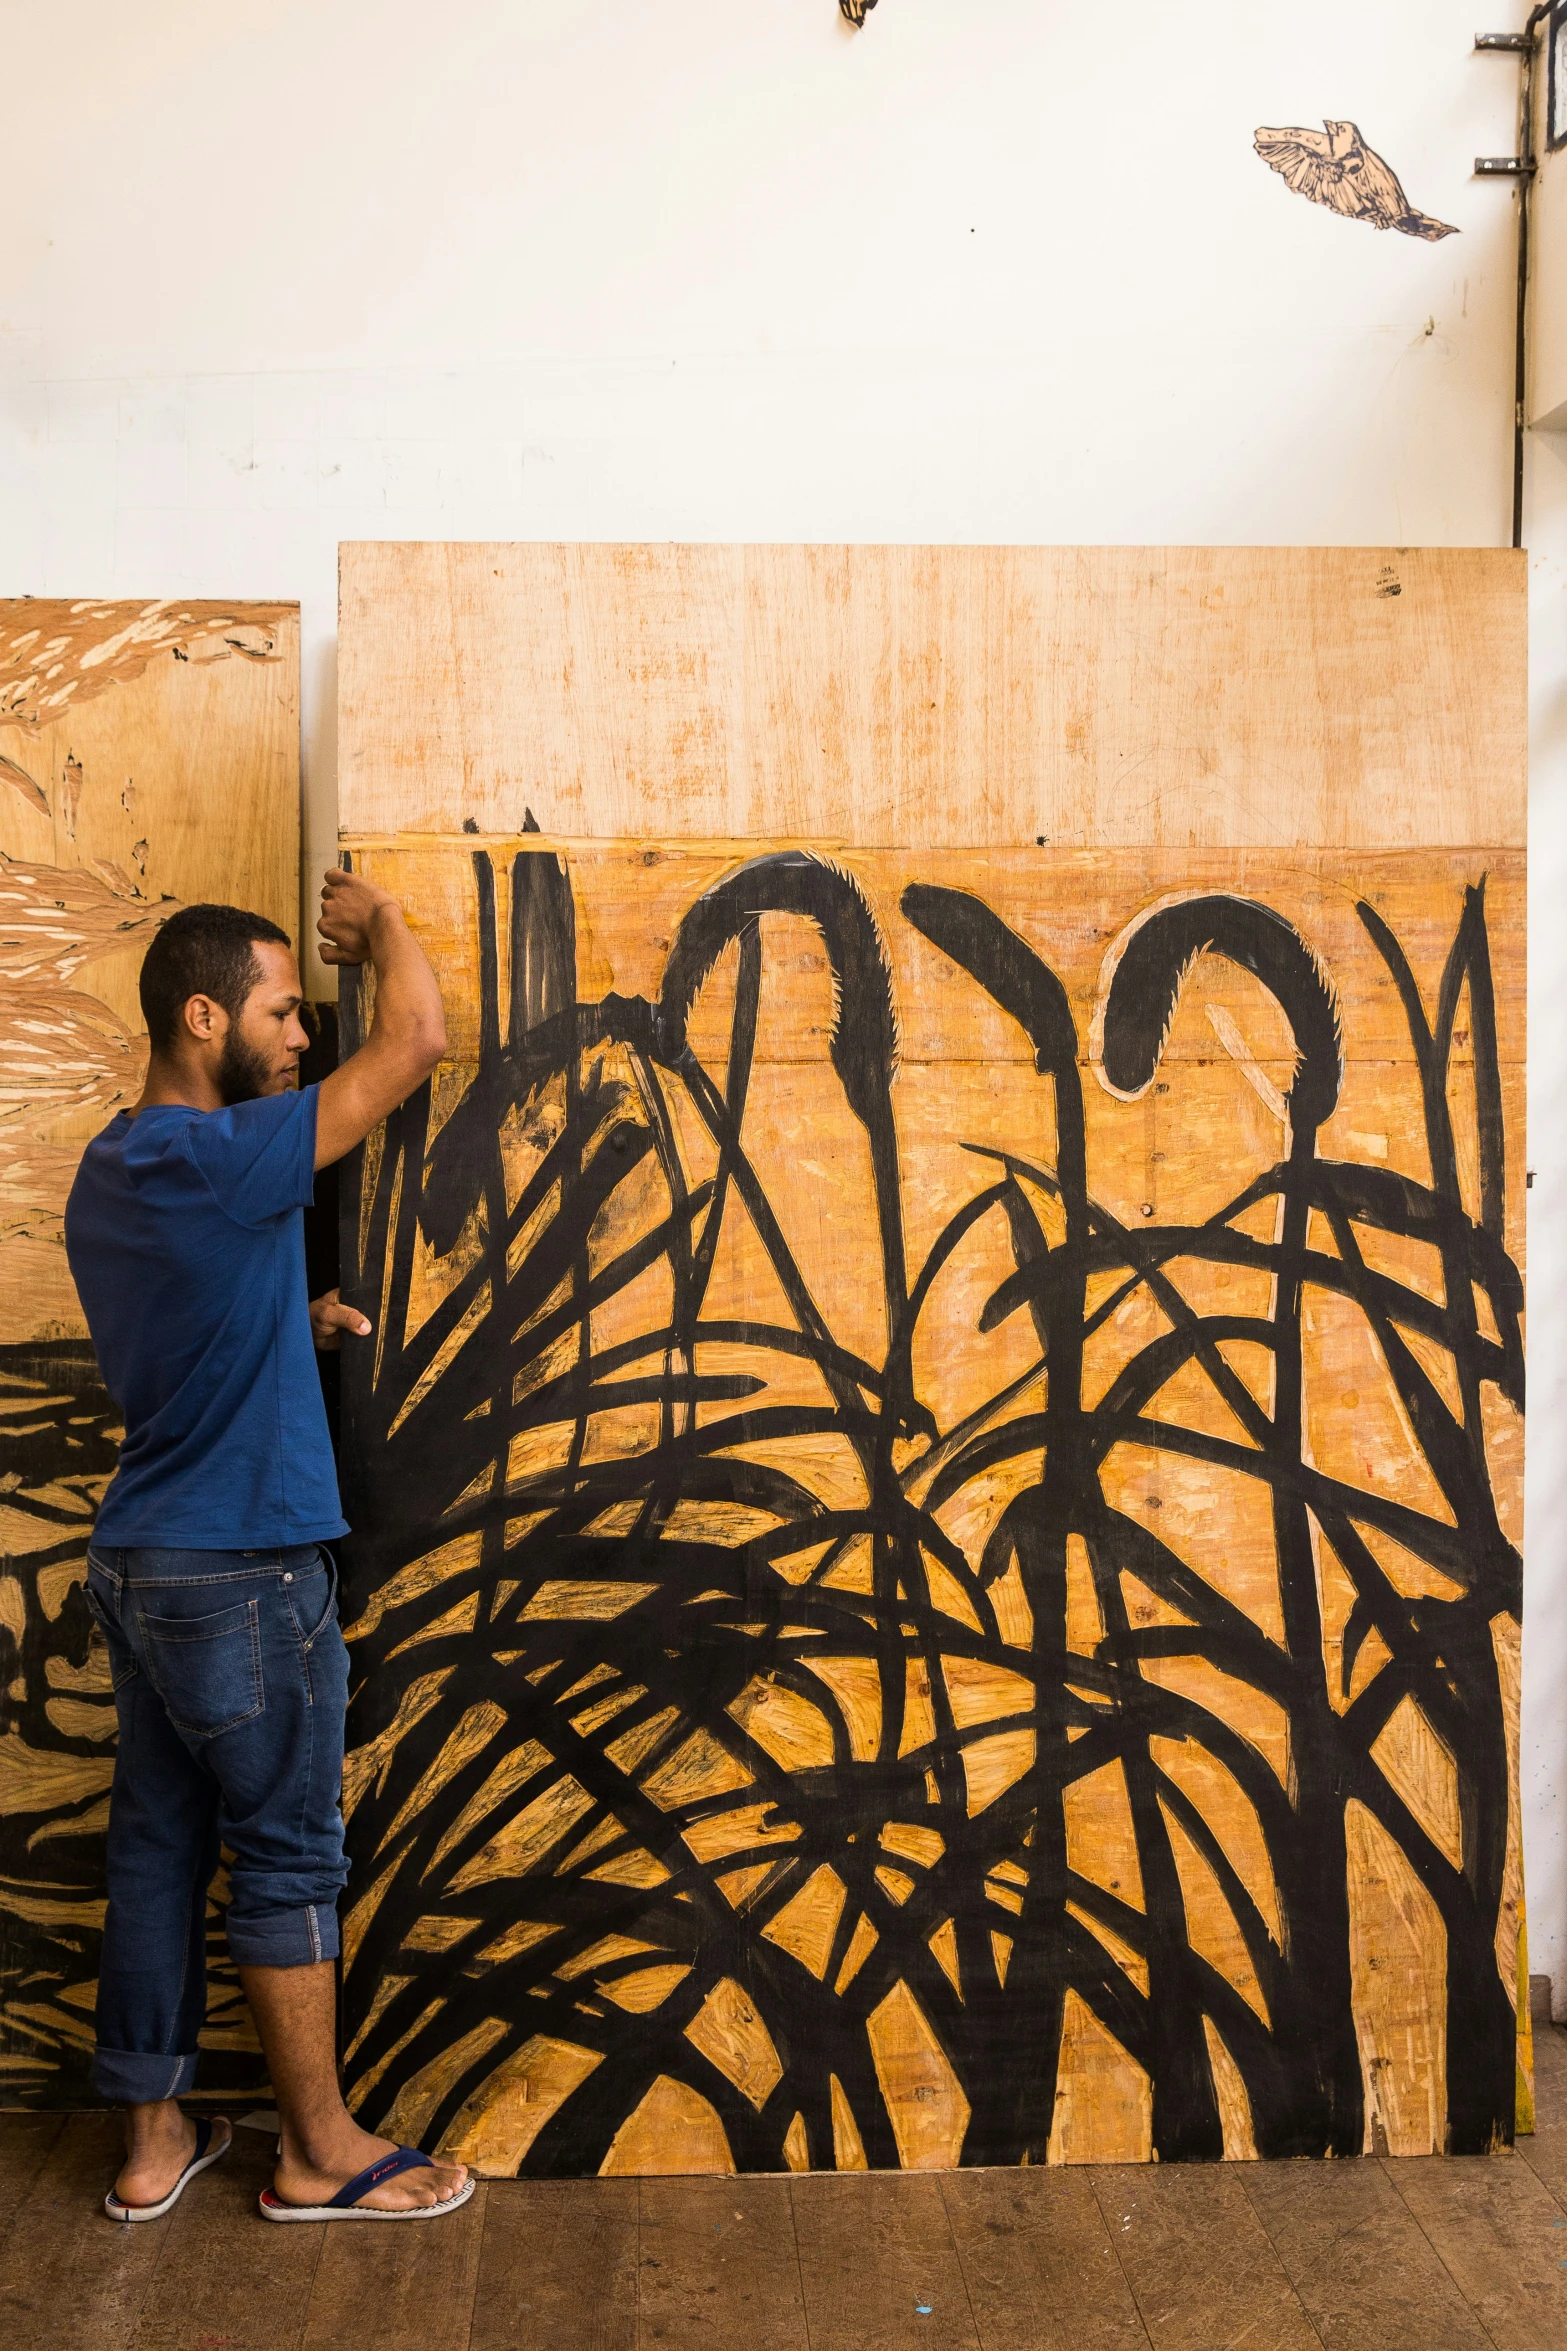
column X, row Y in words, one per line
column 958, row 696
column 148, row 758
column 936, row 1500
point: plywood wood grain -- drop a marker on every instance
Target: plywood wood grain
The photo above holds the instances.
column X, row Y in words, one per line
column 148, row 759
column 887, row 696
column 931, row 1506
column 171, row 775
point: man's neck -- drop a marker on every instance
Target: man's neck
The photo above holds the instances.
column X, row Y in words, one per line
column 172, row 1080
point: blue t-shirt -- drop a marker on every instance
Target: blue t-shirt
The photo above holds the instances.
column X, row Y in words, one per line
column 187, row 1245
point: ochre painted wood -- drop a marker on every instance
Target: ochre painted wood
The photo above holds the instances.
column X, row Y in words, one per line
column 595, row 1688
column 170, row 776
column 148, row 758
column 888, row 696
column 1178, row 721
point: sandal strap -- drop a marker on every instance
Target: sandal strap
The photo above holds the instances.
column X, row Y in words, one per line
column 375, row 2175
column 203, row 2137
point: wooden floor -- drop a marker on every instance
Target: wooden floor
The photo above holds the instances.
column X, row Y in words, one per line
column 1370, row 2256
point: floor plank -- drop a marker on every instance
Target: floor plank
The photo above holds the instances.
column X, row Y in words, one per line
column 1041, row 2272
column 1413, row 2255
column 1546, row 2151
column 1366, row 2273
column 406, row 2287
column 25, row 2142
column 558, row 2266
column 880, row 2268
column 718, row 2265
column 73, row 2281
column 224, row 2276
column 1502, row 2236
column 1198, row 2259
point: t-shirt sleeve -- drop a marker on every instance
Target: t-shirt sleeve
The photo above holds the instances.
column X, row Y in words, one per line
column 258, row 1158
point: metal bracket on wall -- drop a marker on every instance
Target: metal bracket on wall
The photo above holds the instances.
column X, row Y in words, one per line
column 1520, row 167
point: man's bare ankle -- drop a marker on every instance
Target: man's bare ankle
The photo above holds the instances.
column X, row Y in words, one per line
column 151, row 2124
column 335, row 2145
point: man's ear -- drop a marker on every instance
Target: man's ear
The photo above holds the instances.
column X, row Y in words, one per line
column 205, row 1020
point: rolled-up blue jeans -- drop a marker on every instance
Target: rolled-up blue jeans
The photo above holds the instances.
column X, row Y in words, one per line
column 231, row 1684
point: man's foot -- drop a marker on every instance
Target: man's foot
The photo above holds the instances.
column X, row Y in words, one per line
column 159, row 2141
column 315, row 2178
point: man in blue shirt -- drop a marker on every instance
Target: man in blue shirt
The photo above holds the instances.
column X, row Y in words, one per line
column 207, row 1569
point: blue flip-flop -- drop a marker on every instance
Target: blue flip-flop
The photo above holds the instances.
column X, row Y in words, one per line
column 205, row 2154
column 345, row 2204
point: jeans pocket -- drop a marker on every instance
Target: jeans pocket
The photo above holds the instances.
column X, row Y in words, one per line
column 122, row 1660
column 312, row 1599
column 206, row 1669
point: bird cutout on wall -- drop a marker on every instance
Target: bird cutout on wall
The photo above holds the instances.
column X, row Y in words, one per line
column 1335, row 167
column 856, row 11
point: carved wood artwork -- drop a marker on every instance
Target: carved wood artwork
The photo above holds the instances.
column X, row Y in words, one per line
column 937, row 1486
column 935, row 1575
column 148, row 757
column 937, row 1490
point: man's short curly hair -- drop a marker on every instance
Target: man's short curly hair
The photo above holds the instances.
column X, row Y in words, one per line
column 202, row 951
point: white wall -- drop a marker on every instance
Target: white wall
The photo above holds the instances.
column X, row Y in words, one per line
column 676, row 269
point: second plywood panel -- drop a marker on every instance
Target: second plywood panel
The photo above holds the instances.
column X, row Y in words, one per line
column 895, row 695
column 149, row 758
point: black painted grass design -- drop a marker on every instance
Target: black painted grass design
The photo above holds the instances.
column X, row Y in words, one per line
column 58, row 1437
column 513, row 1348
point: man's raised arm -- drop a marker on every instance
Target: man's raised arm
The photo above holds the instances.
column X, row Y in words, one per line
column 360, row 924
